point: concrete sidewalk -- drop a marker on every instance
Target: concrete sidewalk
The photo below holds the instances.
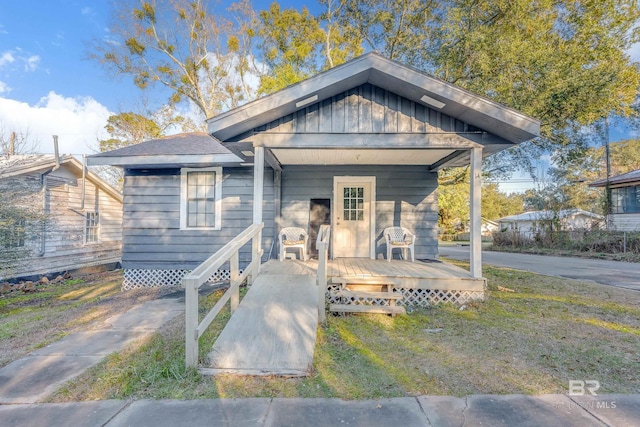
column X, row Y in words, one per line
column 477, row 410
column 34, row 377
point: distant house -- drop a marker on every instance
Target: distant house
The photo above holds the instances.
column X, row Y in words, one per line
column 625, row 200
column 530, row 223
column 83, row 225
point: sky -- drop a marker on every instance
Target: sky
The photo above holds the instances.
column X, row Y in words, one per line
column 49, row 87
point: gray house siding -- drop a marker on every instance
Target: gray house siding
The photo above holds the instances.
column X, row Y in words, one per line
column 152, row 238
column 62, row 246
column 405, row 196
column 366, row 109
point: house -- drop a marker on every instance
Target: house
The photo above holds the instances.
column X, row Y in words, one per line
column 529, row 224
column 357, row 146
column 80, row 219
column 625, row 200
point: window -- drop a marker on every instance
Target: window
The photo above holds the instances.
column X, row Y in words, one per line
column 92, row 227
column 13, row 236
column 353, row 204
column 625, row 199
column 200, row 204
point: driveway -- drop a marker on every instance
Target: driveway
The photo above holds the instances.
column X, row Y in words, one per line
column 612, row 273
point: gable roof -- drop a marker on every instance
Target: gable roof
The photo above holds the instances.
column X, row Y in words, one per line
column 183, row 149
column 547, row 215
column 626, row 178
column 377, row 70
column 22, row 164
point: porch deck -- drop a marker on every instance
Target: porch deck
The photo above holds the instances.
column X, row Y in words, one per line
column 405, row 274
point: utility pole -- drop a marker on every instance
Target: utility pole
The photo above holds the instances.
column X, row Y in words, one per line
column 12, row 144
column 608, row 161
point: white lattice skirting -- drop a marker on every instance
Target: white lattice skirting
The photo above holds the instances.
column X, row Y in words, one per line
column 142, row 278
column 411, row 297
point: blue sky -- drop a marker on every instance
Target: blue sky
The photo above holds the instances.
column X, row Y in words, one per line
column 47, row 86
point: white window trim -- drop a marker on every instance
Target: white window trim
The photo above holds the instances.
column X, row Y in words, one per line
column 217, row 199
column 98, row 228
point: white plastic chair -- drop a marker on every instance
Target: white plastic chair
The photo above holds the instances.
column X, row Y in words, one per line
column 399, row 238
column 293, row 238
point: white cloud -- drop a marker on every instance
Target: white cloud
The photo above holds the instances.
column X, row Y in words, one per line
column 31, row 63
column 78, row 122
column 9, row 57
column 4, row 88
column 6, row 58
column 85, row 10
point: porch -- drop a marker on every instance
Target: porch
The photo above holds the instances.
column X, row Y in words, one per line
column 421, row 283
column 272, row 331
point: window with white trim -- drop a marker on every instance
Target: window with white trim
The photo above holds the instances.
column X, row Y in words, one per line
column 91, row 227
column 200, row 198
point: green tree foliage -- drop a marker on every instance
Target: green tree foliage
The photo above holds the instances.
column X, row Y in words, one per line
column 561, row 61
column 403, row 30
column 453, row 200
column 127, row 129
column 296, row 45
column 496, row 204
column 290, row 41
column 200, row 53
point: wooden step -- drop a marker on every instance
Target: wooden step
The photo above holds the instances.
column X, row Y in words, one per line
column 365, row 294
column 382, row 309
column 362, row 281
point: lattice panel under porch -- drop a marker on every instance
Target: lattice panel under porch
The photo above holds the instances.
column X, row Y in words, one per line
column 411, row 297
column 145, row 278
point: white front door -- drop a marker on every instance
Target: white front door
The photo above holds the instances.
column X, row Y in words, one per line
column 354, row 217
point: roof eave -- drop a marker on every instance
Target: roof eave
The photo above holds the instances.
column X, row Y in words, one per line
column 176, row 160
column 377, row 70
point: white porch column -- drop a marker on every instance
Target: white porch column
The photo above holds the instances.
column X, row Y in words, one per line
column 475, row 222
column 258, row 184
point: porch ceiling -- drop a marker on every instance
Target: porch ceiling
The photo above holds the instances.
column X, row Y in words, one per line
column 315, row 156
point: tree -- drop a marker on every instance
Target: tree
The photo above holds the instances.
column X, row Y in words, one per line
column 453, row 200
column 496, row 204
column 296, row 45
column 16, row 141
column 127, row 129
column 22, row 223
column 561, row 61
column 199, row 53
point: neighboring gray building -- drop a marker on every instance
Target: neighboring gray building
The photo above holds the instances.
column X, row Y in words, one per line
column 83, row 221
column 625, row 200
column 360, row 144
column 529, row 224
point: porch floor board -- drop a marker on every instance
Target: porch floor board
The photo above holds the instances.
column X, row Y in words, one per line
column 273, row 330
column 419, row 274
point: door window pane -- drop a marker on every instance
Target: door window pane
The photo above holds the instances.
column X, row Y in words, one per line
column 353, row 203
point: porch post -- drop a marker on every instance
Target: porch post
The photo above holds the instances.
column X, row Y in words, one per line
column 475, row 265
column 258, row 184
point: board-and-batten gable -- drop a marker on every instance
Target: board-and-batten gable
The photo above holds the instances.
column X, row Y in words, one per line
column 366, row 109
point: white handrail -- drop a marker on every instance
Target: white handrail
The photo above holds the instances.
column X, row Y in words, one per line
column 322, row 245
column 202, row 273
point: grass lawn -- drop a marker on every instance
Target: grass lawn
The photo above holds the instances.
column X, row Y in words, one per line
column 29, row 321
column 534, row 340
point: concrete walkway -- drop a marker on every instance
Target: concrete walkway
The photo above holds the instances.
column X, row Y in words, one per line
column 477, row 410
column 42, row 372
